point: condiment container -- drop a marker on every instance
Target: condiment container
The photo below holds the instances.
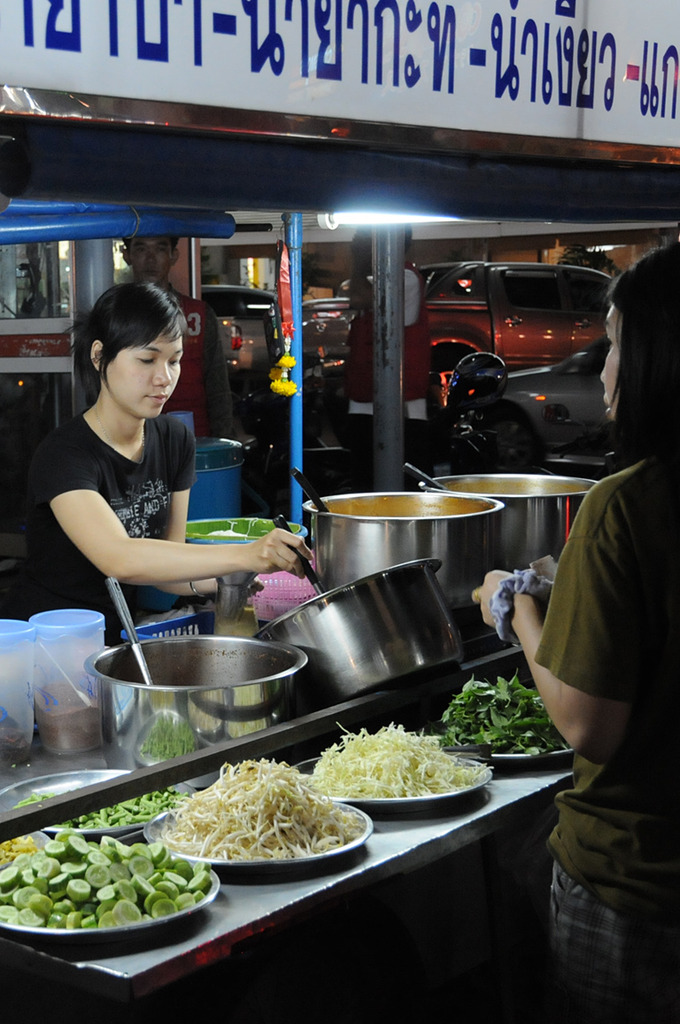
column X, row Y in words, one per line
column 67, row 707
column 16, row 690
column 234, row 611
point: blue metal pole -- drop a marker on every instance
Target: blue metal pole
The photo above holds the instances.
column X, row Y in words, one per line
column 293, row 237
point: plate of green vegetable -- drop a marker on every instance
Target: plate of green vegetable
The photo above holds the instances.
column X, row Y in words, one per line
column 116, row 820
column 510, row 718
column 79, row 890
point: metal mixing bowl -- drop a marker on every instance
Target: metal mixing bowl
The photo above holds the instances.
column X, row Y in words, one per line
column 206, row 689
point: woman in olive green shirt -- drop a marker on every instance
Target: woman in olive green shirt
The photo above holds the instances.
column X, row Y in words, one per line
column 605, row 657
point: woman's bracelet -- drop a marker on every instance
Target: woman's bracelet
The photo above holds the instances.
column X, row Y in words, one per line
column 195, row 592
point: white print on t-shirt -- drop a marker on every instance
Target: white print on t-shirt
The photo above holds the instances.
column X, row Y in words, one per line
column 139, row 508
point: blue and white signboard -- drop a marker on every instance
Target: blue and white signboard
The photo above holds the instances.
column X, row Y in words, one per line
column 595, row 70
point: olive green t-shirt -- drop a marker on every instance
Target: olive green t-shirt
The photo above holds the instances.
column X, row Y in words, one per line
column 613, row 630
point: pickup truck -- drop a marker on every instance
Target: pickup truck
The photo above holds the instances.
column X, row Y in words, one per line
column 530, row 314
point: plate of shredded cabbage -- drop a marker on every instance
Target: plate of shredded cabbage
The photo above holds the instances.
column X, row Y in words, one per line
column 394, row 771
column 260, row 816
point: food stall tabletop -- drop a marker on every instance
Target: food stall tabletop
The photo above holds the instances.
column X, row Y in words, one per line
column 250, row 905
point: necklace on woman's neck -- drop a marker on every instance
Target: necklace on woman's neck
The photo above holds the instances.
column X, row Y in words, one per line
column 108, row 440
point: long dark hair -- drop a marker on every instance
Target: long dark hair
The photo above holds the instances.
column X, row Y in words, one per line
column 648, row 386
column 125, row 316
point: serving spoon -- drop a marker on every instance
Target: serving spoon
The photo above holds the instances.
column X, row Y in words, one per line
column 418, row 474
column 308, row 489
column 121, row 605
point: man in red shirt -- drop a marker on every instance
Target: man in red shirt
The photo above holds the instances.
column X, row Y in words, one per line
column 203, row 386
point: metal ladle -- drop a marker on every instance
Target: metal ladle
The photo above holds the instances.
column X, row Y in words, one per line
column 308, row 489
column 418, row 474
column 121, row 605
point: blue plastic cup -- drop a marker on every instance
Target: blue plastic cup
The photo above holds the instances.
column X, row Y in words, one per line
column 67, row 709
column 16, row 690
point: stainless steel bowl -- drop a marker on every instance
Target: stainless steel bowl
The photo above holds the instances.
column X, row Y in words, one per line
column 206, row 689
column 370, row 632
column 538, row 515
column 364, row 533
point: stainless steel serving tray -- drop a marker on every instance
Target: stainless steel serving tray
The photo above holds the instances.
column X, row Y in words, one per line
column 65, row 782
column 153, row 832
column 118, row 933
column 431, row 802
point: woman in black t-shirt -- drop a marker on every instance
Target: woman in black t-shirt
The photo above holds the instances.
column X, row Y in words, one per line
column 109, row 490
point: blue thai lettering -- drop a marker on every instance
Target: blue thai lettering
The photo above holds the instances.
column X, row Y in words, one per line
column 29, row 33
column 609, row 43
column 362, row 7
column 508, row 79
column 271, row 49
column 546, row 77
column 325, row 68
column 443, row 38
column 411, row 71
column 113, row 28
column 565, row 65
column 585, row 97
column 531, row 33
column 565, row 8
column 671, row 54
column 649, row 93
column 378, row 18
column 153, row 51
column 61, row 38
column 414, row 20
column 304, row 35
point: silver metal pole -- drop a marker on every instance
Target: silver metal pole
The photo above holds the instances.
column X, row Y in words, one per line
column 388, row 358
column 93, row 275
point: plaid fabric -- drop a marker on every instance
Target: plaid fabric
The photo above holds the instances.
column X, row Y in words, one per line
column 608, row 967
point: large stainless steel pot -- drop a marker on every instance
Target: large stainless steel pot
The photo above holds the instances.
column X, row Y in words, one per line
column 363, row 533
column 206, row 689
column 538, row 514
column 370, row 632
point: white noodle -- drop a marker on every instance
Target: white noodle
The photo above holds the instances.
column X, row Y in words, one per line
column 259, row 810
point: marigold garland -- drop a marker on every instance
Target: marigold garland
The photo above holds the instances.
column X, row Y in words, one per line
column 281, row 384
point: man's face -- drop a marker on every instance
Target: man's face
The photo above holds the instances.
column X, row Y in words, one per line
column 151, row 260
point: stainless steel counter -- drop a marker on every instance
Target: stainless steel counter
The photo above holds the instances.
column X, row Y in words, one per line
column 249, row 909
column 245, row 907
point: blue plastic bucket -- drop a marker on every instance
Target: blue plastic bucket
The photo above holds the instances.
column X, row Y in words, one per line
column 217, row 491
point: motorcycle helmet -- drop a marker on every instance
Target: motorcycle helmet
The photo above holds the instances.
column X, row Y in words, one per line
column 478, row 380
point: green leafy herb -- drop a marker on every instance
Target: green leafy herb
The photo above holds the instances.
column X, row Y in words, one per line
column 506, row 714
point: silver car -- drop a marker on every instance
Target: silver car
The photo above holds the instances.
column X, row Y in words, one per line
column 553, row 413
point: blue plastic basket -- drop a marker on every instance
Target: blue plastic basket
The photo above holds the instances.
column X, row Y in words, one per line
column 184, row 625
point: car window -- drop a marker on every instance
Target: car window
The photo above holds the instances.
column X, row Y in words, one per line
column 245, row 304
column 531, row 289
column 589, row 361
column 463, row 282
column 586, row 293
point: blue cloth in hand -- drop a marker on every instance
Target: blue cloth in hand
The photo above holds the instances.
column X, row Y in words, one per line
column 502, row 603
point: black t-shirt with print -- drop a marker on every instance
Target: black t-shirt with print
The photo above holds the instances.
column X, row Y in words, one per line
column 71, row 458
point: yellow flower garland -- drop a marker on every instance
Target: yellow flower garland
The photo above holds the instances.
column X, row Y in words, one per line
column 281, row 384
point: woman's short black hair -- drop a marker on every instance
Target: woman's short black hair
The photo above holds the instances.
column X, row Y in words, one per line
column 647, row 296
column 125, row 316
